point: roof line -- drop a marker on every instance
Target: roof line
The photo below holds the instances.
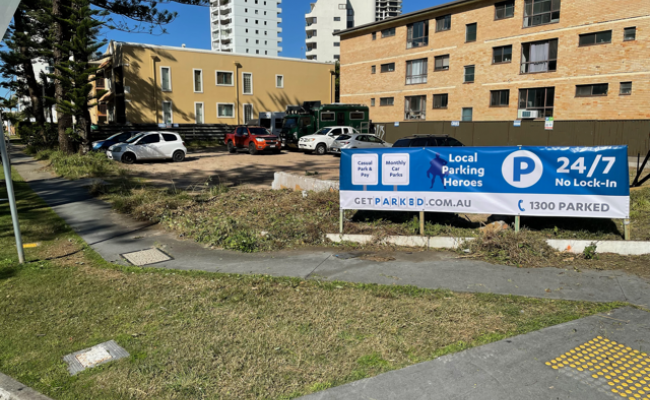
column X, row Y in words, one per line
column 157, row 46
column 440, row 7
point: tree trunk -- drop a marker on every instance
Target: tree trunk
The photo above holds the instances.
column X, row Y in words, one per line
column 33, row 88
column 60, row 35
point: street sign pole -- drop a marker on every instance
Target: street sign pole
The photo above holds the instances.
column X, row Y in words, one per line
column 6, row 165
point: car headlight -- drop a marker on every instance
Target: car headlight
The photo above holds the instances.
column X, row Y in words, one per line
column 259, row 139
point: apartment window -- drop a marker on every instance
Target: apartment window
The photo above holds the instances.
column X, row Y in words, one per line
column 225, row 110
column 629, row 34
column 198, row 81
column 373, row 69
column 246, row 50
column 590, row 39
column 502, row 54
column 246, row 20
column 388, row 32
column 469, row 74
column 540, row 99
column 416, row 71
column 350, row 12
column 541, row 12
column 264, row 22
column 505, row 9
column 467, row 114
column 336, row 57
column 246, row 40
column 247, row 87
column 470, row 32
column 198, row 113
column 386, row 101
column 539, row 57
column 168, row 117
column 415, row 107
column 99, row 83
column 417, row 34
column 499, row 98
column 165, row 79
column 256, row 11
column 599, row 89
column 257, row 21
column 265, row 33
column 443, row 23
column 390, row 67
column 257, row 41
column 442, row 63
column 257, row 31
column 266, row 52
column 349, row 24
column 372, row 102
column 626, row 88
column 246, row 10
column 374, row 35
column 337, row 44
column 337, row 18
column 257, row 52
column 440, row 100
column 246, row 30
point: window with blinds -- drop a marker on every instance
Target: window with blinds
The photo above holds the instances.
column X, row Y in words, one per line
column 247, row 83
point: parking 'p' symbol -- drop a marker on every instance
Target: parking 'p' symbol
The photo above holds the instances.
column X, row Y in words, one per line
column 522, row 169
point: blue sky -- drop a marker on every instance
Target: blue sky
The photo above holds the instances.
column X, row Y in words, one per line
column 192, row 27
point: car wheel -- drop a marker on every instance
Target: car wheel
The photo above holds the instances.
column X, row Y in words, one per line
column 252, row 149
column 178, row 156
column 321, row 149
column 231, row 147
column 128, row 158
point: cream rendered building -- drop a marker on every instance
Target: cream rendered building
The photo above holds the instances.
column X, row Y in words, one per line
column 172, row 85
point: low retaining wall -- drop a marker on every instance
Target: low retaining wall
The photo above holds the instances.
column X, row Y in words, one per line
column 442, row 242
column 283, row 180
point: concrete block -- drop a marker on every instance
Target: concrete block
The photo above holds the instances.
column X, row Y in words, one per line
column 408, row 241
column 11, row 389
column 337, row 238
column 283, row 180
column 604, row 246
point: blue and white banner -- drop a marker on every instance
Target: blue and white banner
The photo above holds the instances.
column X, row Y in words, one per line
column 536, row 181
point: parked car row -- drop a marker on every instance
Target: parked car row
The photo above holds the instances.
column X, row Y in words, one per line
column 132, row 146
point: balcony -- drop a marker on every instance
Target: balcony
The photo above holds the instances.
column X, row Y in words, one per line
column 227, row 9
column 279, row 20
column 311, row 57
column 310, row 31
column 279, row 29
column 225, row 19
column 279, row 48
column 311, row 38
column 226, row 47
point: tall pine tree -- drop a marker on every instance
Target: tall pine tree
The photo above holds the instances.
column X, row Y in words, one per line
column 76, row 73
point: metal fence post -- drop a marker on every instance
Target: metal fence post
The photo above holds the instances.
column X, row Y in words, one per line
column 341, row 221
column 6, row 164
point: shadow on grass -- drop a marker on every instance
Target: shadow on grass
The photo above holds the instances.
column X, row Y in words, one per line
column 7, row 272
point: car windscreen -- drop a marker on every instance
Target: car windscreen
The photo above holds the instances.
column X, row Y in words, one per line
column 134, row 138
column 343, row 137
column 258, row 131
column 402, row 143
column 323, row 131
column 290, row 123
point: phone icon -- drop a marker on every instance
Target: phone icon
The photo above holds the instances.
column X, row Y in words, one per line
column 520, row 207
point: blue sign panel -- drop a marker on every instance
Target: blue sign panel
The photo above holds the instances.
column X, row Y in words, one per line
column 558, row 181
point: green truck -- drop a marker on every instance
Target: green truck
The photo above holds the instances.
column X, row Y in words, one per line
column 305, row 120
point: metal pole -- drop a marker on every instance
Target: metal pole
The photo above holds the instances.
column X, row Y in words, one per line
column 421, row 223
column 517, row 223
column 626, row 225
column 341, row 221
column 6, row 164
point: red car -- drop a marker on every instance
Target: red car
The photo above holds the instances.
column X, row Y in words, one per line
column 255, row 139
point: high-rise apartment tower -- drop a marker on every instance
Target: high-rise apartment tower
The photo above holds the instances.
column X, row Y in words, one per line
column 329, row 16
column 246, row 26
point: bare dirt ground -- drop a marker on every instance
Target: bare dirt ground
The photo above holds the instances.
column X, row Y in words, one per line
column 217, row 166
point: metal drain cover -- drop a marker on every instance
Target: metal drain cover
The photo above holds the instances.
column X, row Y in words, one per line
column 94, row 356
column 146, row 257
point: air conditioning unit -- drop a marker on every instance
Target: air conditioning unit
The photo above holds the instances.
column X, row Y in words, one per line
column 528, row 114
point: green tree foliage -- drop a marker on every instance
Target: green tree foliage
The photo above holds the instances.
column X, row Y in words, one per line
column 76, row 73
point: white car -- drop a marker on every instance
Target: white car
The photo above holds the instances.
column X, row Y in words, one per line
column 358, row 141
column 322, row 140
column 149, row 146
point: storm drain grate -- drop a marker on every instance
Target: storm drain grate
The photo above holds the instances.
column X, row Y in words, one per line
column 94, row 356
column 146, row 257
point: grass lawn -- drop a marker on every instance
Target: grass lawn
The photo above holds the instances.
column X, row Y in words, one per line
column 195, row 335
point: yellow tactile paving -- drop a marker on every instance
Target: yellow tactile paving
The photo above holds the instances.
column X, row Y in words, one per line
column 612, row 367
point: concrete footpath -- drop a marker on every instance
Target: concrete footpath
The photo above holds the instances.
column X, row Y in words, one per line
column 596, row 358
column 112, row 234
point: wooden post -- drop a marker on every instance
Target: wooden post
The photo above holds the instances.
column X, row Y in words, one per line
column 341, row 221
column 421, row 223
column 626, row 226
column 517, row 223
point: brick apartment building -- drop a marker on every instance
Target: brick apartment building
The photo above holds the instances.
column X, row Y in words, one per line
column 488, row 60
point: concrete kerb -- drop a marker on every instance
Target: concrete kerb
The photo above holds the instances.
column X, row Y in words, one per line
column 283, row 180
column 11, row 389
column 441, row 242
